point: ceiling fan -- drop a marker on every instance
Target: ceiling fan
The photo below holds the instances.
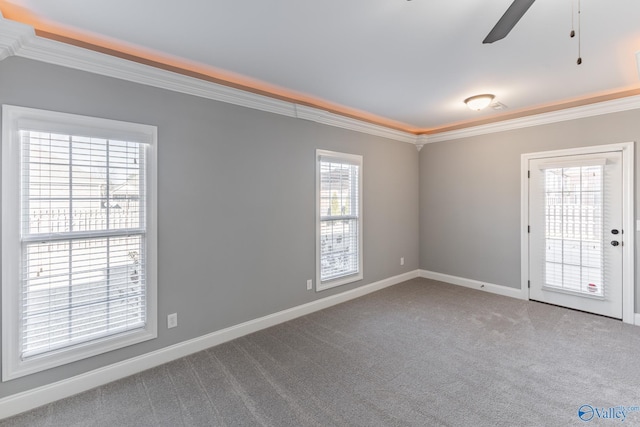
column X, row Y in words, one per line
column 510, row 18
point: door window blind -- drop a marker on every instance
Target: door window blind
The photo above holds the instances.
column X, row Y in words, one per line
column 83, row 267
column 574, row 212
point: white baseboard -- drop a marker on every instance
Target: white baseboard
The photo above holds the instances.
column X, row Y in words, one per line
column 21, row 402
column 475, row 284
column 488, row 287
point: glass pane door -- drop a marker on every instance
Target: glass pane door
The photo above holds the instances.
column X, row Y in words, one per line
column 574, row 229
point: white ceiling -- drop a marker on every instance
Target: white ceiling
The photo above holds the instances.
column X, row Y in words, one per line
column 410, row 62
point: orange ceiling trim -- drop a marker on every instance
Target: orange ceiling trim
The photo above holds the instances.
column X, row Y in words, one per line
column 246, row 85
column 117, row 49
column 50, row 30
column 581, row 102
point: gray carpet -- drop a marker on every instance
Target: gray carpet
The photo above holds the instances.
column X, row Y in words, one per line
column 421, row 353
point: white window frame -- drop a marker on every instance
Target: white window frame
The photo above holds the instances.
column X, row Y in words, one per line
column 349, row 278
column 13, row 119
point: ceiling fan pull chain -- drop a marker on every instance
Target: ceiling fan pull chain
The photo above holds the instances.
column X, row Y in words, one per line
column 572, row 34
column 579, row 37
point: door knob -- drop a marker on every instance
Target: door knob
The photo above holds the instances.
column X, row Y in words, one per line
column 614, row 231
column 615, row 243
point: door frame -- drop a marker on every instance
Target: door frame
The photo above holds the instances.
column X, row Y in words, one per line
column 628, row 203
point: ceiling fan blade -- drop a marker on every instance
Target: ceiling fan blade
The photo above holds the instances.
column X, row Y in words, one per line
column 510, row 18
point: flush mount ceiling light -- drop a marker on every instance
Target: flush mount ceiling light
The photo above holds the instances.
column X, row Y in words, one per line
column 479, row 102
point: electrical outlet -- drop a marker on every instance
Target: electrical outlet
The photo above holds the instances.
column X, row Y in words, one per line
column 172, row 320
column 309, row 284
column 401, row 260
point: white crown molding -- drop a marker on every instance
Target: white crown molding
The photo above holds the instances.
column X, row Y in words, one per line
column 606, row 107
column 13, row 36
column 20, row 40
column 421, row 141
column 336, row 120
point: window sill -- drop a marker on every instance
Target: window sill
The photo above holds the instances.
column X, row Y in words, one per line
column 323, row 286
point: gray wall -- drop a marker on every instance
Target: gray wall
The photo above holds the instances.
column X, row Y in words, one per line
column 470, row 194
column 236, row 202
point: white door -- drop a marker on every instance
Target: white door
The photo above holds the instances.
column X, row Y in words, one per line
column 576, row 236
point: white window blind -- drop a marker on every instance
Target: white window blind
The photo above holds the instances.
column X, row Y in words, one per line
column 574, row 228
column 79, row 238
column 83, row 234
column 339, row 213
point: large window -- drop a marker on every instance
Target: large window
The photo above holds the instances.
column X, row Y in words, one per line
column 339, row 219
column 78, row 221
